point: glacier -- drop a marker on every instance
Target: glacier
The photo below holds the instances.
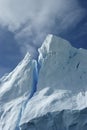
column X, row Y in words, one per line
column 49, row 93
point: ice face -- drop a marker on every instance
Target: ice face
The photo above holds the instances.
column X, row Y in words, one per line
column 60, row 120
column 62, row 66
column 15, row 91
column 19, row 81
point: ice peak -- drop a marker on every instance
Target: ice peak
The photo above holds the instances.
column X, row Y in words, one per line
column 53, row 44
column 27, row 57
column 52, row 41
column 64, row 66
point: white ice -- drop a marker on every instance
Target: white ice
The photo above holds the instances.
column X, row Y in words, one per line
column 48, row 94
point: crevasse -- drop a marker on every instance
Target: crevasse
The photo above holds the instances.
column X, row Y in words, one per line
column 34, row 89
column 35, row 79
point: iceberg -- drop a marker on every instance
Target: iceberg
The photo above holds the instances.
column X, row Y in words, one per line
column 49, row 93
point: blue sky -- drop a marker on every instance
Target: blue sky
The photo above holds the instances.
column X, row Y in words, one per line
column 25, row 23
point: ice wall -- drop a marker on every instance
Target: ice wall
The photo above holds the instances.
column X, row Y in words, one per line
column 60, row 120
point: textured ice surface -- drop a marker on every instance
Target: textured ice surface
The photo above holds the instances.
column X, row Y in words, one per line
column 63, row 67
column 60, row 100
column 47, row 101
column 15, row 90
column 59, row 120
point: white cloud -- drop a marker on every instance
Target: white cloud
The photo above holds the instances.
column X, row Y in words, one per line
column 37, row 16
column 38, row 12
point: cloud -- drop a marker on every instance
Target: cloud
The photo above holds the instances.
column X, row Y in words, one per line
column 32, row 20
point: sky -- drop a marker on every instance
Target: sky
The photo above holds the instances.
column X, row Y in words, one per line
column 24, row 24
